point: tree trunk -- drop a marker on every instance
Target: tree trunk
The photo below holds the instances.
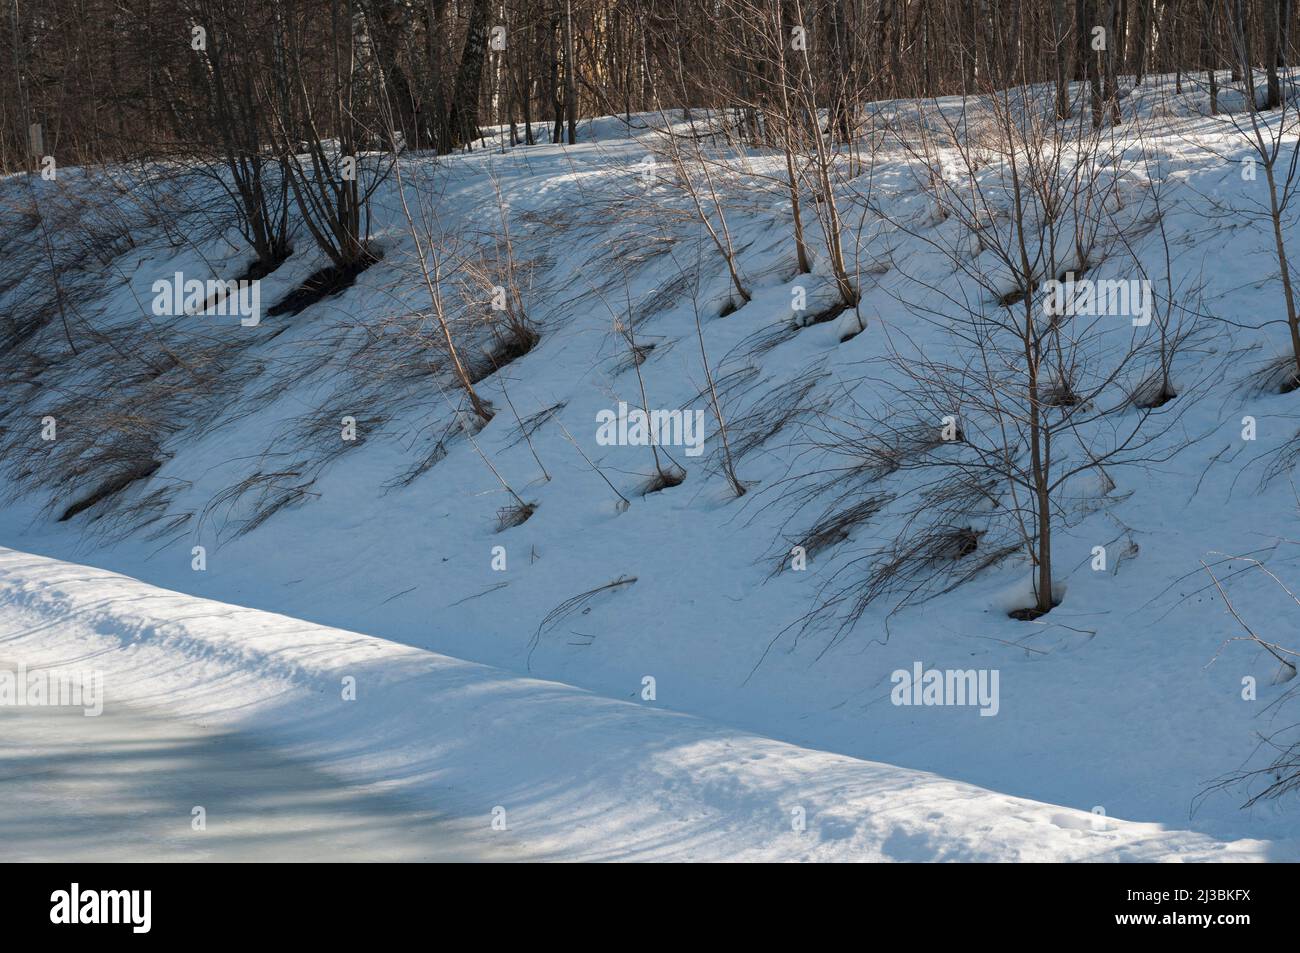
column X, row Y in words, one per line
column 1061, row 54
column 1273, row 50
column 435, row 130
column 1088, row 67
column 469, row 78
column 556, row 96
column 1209, row 55
column 570, row 74
column 1113, row 49
column 1143, row 43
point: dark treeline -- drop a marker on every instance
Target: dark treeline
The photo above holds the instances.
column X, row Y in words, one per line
column 110, row 79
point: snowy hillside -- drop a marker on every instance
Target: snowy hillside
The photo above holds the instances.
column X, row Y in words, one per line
column 331, row 470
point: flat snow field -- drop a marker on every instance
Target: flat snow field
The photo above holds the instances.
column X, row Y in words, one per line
column 125, row 786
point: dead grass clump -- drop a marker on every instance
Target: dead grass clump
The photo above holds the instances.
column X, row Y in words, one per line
column 664, row 298
column 508, row 346
column 768, row 338
column 529, row 425
column 326, row 282
column 885, row 453
column 1152, row 393
column 635, row 355
column 664, row 479
column 149, row 514
column 582, row 601
column 1061, row 393
column 269, row 492
column 516, row 514
column 829, row 313
column 835, row 526
column 931, row 561
column 130, row 471
column 774, row 411
column 1278, row 376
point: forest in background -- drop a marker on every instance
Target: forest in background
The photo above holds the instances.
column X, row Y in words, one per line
column 107, row 80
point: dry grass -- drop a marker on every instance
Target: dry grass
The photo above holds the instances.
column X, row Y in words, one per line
column 834, row 527
column 529, row 425
column 516, row 514
column 664, row 479
column 268, row 492
column 774, row 411
column 1278, row 376
column 1151, row 393
column 571, row 605
column 637, row 354
column 119, row 386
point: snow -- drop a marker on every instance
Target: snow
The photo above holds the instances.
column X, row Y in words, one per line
column 124, row 786
column 579, row 776
column 1127, row 698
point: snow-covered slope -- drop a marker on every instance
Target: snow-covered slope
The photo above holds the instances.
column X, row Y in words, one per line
column 1124, row 698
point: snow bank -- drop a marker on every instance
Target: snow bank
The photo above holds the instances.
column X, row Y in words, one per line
column 578, row 776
